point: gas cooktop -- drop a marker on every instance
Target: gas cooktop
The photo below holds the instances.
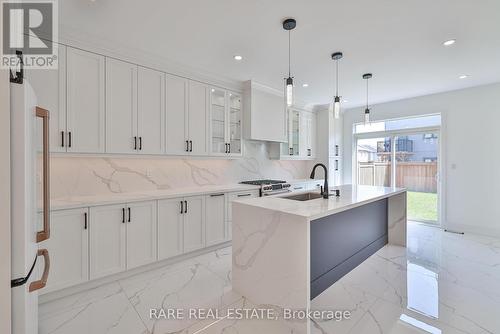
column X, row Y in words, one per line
column 261, row 182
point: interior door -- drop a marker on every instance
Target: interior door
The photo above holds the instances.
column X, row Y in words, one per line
column 176, row 115
column 141, row 233
column 170, row 227
column 121, row 107
column 107, row 240
column 50, row 90
column 194, row 223
column 197, row 120
column 151, row 111
column 85, row 101
column 68, row 247
column 215, row 226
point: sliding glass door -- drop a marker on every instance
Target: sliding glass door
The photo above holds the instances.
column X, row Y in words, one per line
column 406, row 159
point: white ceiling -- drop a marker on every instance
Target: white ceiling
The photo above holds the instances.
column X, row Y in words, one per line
column 399, row 41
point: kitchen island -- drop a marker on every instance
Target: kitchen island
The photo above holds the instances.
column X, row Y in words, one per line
column 288, row 249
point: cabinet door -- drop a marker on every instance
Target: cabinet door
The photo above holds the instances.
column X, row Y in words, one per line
column 304, row 134
column 197, row 120
column 68, row 249
column 50, row 90
column 294, row 133
column 107, row 240
column 235, row 117
column 170, row 227
column 141, row 233
column 215, row 226
column 85, row 101
column 218, row 122
column 194, row 223
column 151, row 111
column 121, row 106
column 176, row 115
column 313, row 126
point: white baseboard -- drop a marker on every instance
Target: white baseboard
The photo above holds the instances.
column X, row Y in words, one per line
column 472, row 229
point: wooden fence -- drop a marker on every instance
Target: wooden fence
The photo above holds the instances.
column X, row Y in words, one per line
column 415, row 176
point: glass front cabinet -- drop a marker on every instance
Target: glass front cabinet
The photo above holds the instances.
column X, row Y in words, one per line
column 225, row 123
column 301, row 139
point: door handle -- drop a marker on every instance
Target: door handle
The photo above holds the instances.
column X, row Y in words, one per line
column 123, row 215
column 190, row 146
column 62, row 138
column 187, row 145
column 69, row 139
column 243, row 195
column 45, row 233
column 216, row 195
column 182, row 207
column 135, row 143
column 37, row 285
column 85, row 220
column 229, row 148
column 140, row 143
column 291, row 150
column 186, row 209
column 225, row 144
column 129, row 215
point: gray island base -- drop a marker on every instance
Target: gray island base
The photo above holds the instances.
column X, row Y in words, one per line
column 287, row 252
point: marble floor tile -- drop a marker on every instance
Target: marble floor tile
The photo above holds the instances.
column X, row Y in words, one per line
column 441, row 283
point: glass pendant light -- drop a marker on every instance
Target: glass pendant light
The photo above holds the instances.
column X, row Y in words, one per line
column 367, row 76
column 336, row 100
column 289, row 25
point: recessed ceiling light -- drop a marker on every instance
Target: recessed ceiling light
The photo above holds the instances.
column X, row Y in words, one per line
column 305, row 85
column 463, row 76
column 449, row 42
column 238, row 57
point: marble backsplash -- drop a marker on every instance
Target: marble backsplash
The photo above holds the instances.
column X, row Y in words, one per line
column 86, row 176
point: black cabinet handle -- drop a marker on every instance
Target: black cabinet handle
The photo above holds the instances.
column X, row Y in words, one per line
column 69, row 139
column 129, row 215
column 123, row 215
column 216, row 195
column 186, row 203
column 225, row 145
column 135, row 143
column 336, row 165
column 182, row 207
column 140, row 143
column 62, row 138
column 85, row 219
column 291, row 150
column 229, row 148
column 187, row 145
column 244, row 195
column 336, row 150
column 190, row 146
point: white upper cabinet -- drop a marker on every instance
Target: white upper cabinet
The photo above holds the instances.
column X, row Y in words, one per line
column 151, row 111
column 197, row 118
column 225, row 123
column 308, row 135
column 85, row 101
column 50, row 90
column 215, row 225
column 121, row 107
column 177, row 115
column 141, row 233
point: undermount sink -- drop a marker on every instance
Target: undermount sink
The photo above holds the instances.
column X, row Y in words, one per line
column 304, row 196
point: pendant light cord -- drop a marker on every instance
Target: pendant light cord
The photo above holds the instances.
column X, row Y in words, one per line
column 367, row 93
column 289, row 54
column 337, row 78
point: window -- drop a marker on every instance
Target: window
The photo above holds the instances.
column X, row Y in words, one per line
column 400, row 124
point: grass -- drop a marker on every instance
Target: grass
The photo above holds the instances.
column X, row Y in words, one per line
column 422, row 206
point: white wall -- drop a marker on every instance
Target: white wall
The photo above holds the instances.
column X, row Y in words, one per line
column 471, row 153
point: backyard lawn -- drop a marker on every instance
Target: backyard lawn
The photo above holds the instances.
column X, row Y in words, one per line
column 422, row 206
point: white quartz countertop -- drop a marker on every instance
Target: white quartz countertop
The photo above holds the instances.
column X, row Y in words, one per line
column 118, row 198
column 351, row 196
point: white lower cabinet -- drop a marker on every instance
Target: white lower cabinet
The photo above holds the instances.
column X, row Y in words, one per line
column 170, row 227
column 122, row 237
column 68, row 248
column 215, row 219
column 107, row 240
column 229, row 208
column 141, row 233
column 194, row 223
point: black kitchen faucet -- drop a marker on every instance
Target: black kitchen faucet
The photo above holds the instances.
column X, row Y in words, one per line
column 324, row 190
